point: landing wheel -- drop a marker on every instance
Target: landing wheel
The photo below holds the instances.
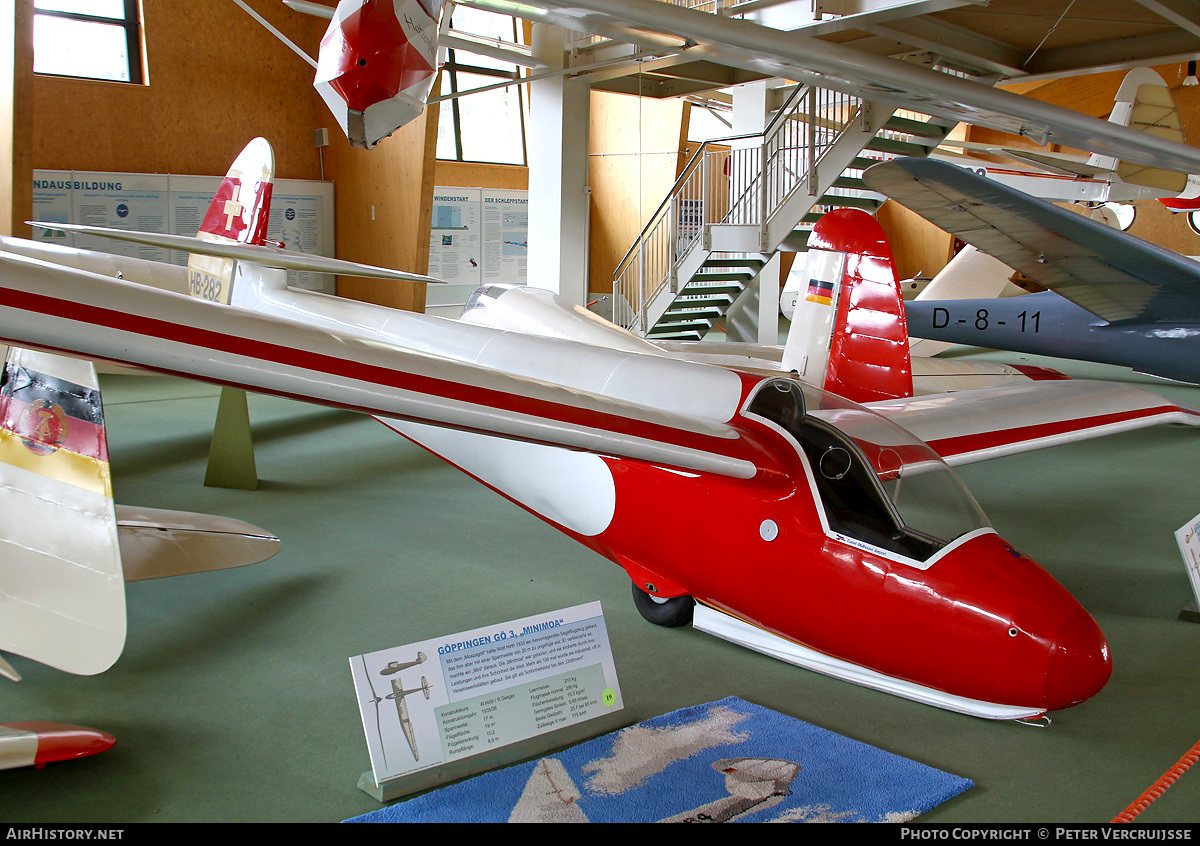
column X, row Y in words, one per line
column 676, row 611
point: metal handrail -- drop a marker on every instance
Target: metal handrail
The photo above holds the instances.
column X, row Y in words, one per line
column 762, row 176
column 771, row 127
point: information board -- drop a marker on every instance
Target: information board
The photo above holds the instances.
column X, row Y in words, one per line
column 477, row 236
column 302, row 214
column 450, row 698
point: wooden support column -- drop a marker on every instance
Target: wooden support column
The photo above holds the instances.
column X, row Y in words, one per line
column 16, row 116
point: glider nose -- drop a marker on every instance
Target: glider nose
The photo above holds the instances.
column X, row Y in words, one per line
column 1079, row 663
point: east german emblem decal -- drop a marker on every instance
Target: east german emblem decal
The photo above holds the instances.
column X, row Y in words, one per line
column 42, row 427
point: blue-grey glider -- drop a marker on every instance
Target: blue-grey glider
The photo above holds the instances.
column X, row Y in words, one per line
column 1112, row 298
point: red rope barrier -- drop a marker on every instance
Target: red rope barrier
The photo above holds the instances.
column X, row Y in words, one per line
column 1159, row 787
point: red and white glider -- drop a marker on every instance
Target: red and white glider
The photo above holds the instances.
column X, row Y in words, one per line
column 835, row 538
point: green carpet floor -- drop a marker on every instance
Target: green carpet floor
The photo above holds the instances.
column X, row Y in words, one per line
column 233, row 700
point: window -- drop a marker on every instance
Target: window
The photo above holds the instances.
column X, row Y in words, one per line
column 488, row 126
column 93, row 39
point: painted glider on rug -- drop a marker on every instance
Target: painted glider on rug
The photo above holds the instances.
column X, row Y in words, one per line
column 860, row 553
column 1113, row 298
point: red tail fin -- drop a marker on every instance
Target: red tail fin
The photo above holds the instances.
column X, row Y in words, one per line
column 868, row 358
column 241, row 205
column 238, row 213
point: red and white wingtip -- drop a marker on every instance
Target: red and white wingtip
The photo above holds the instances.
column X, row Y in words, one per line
column 377, row 63
column 1188, row 201
column 36, row 744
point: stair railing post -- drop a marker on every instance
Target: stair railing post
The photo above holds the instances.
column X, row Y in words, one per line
column 812, row 142
column 642, row 286
column 763, row 182
column 678, row 207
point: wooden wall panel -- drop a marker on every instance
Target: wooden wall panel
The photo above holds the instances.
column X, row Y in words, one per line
column 217, row 79
column 918, row 247
column 384, row 203
column 1154, row 223
column 16, row 103
column 635, row 148
column 476, row 175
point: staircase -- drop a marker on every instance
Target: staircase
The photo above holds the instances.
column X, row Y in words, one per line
column 899, row 136
column 739, row 200
column 705, row 299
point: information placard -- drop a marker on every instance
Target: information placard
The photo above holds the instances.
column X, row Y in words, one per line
column 448, row 699
column 505, row 236
column 1188, row 538
column 478, row 236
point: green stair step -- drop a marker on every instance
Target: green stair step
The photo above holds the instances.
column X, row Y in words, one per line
column 862, row 163
column 680, row 326
column 868, row 203
column 899, row 148
column 849, row 182
column 684, row 316
column 752, row 263
column 723, row 276
column 687, row 300
column 920, row 128
column 697, row 287
column 796, row 241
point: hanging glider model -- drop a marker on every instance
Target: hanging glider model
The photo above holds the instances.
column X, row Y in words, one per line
column 1144, row 103
column 373, row 66
column 1112, row 298
column 859, row 553
column 376, row 65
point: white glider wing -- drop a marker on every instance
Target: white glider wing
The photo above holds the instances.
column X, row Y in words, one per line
column 73, row 311
column 970, row 426
column 266, row 256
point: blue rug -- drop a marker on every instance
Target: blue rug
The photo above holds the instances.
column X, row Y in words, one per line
column 727, row 761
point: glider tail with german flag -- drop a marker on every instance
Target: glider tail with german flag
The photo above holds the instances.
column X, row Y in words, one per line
column 66, row 549
column 848, row 332
column 60, row 569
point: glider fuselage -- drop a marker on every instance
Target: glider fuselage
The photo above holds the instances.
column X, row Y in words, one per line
column 1048, row 324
